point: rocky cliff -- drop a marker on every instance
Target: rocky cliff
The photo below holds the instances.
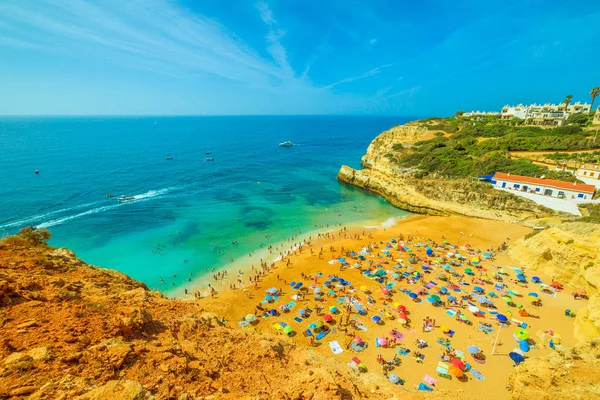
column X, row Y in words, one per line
column 434, row 196
column 570, row 252
column 74, row 331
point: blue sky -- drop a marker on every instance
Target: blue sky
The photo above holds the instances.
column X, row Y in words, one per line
column 383, row 57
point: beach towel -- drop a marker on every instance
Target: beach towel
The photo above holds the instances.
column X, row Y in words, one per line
column 403, row 351
column 449, row 333
column 353, row 365
column 356, row 360
column 335, row 347
column 442, row 342
column 429, row 380
column 399, row 336
column 298, row 319
column 307, row 333
column 362, row 328
column 322, row 335
column 443, row 373
column 243, row 323
column 424, row 387
column 485, row 329
column 451, row 312
column 358, row 347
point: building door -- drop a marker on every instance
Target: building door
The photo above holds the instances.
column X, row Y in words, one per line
column 503, row 184
column 561, row 195
column 525, row 188
column 548, row 192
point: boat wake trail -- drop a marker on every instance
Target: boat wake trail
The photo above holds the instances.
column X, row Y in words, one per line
column 57, row 221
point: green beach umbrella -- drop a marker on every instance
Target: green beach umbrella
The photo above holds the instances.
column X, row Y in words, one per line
column 468, row 270
column 507, row 298
column 287, row 329
column 522, row 334
column 435, row 297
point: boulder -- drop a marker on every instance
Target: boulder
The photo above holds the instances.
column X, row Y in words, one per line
column 118, row 390
column 17, row 357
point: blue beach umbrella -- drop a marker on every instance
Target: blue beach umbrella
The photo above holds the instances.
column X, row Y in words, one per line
column 375, row 318
column 502, row 318
column 476, row 374
column 518, row 271
column 394, row 378
column 272, row 290
column 473, row 349
column 478, row 289
column 302, row 311
column 487, row 255
column 444, row 289
column 536, row 279
column 524, row 345
column 521, row 278
column 292, row 284
column 516, row 357
column 342, row 260
column 268, row 298
column 533, row 294
column 412, row 295
column 273, row 312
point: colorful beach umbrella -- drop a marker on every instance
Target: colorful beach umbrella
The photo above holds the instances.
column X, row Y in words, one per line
column 478, row 289
column 501, row 318
column 412, row 295
column 382, row 341
column 327, row 318
column 287, row 329
column 522, row 334
column 375, row 318
column 477, row 374
column 394, row 378
column 533, row 294
column 250, row 318
column 473, row 349
column 458, row 363
column 516, row 357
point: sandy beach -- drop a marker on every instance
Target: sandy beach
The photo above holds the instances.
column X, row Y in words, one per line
column 470, row 237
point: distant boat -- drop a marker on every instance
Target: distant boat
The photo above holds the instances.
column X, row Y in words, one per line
column 109, row 195
column 169, row 158
column 208, row 152
column 36, row 172
column 209, row 159
column 123, row 199
column 286, row 144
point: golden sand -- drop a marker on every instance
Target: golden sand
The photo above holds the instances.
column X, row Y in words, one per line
column 482, row 235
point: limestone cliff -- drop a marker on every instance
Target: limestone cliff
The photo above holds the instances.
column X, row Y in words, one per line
column 74, row 331
column 404, row 189
column 571, row 252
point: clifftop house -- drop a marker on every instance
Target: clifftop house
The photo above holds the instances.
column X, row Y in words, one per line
column 546, row 114
column 545, row 187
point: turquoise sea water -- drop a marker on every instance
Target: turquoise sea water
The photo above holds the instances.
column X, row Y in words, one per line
column 185, row 206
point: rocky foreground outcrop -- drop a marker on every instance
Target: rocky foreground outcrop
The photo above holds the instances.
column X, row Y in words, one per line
column 74, row 331
column 404, row 188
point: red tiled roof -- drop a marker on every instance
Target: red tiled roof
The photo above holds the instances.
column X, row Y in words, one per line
column 579, row 187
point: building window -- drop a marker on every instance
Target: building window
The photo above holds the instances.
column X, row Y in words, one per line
column 537, row 189
column 580, row 195
column 517, row 186
column 584, row 173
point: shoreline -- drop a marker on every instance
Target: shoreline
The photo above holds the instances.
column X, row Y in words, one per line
column 245, row 265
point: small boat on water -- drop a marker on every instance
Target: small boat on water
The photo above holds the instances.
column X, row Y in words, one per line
column 286, row 144
column 109, row 195
column 208, row 152
column 123, row 199
column 169, row 158
column 36, row 172
column 209, row 159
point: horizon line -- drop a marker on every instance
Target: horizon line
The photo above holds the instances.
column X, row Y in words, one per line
column 205, row 115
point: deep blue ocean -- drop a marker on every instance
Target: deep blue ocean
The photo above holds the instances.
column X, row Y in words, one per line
column 185, row 208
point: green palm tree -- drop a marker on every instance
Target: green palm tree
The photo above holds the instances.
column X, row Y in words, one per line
column 567, row 101
column 594, row 92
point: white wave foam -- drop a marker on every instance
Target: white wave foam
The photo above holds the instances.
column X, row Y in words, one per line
column 30, row 220
column 388, row 223
column 137, row 198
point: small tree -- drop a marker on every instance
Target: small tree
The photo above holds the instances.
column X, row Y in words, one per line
column 35, row 237
column 594, row 93
column 459, row 113
column 567, row 101
column 578, row 119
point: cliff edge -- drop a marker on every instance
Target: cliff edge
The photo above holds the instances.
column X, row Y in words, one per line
column 405, row 188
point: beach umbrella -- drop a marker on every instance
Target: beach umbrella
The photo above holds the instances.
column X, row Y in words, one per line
column 394, row 378
column 287, row 329
column 333, row 309
column 382, row 341
column 478, row 289
column 477, row 374
column 513, row 292
column 250, row 318
column 282, row 307
column 302, row 311
column 516, row 357
column 522, row 334
column 458, row 363
column 509, row 313
column 463, row 317
column 521, row 278
column 385, row 291
column 342, row 260
column 412, row 295
column 431, row 300
column 444, row 289
column 473, row 349
column 468, row 271
column 375, row 318
column 533, row 294
column 524, row 345
column 272, row 290
column 457, row 371
column 403, row 317
column 487, row 255
column 327, row 318
column 475, row 260
column 269, row 298
column 292, row 283
column 474, row 309
column 273, row 312
column 318, row 324
column 357, row 339
column 518, row 271
column 402, row 308
column 444, row 328
column 536, row 279
column 451, row 298
column 363, row 288
column 435, row 297
column 507, row 299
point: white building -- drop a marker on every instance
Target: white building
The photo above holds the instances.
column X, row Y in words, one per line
column 519, row 111
column 480, row 114
column 590, row 174
column 546, row 114
column 543, row 187
column 596, row 120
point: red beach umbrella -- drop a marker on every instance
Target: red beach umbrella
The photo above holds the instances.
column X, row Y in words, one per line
column 401, row 308
column 327, row 318
column 458, row 363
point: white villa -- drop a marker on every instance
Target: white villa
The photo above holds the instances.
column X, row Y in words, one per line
column 590, row 174
column 480, row 114
column 596, row 120
column 546, row 114
column 543, row 187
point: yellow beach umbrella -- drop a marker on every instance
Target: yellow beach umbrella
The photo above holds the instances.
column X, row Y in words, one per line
column 363, row 288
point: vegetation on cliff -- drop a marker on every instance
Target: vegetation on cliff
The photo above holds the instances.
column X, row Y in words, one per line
column 474, row 147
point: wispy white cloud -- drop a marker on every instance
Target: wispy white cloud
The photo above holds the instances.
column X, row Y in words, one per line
column 153, row 34
column 367, row 74
column 274, row 37
column 405, row 92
